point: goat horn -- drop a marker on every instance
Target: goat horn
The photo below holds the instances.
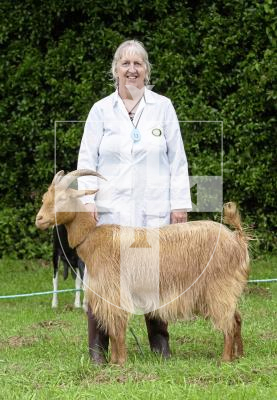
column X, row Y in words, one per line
column 57, row 178
column 71, row 176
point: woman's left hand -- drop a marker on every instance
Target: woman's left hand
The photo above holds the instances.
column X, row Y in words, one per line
column 178, row 216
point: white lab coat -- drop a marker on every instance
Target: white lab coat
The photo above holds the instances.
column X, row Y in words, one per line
column 145, row 179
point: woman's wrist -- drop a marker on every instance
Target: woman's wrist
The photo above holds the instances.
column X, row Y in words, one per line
column 178, row 216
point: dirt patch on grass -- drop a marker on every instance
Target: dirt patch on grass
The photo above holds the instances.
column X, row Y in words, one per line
column 52, row 324
column 19, row 341
column 237, row 379
column 260, row 291
column 269, row 336
column 44, row 263
column 184, row 340
column 123, row 376
column 69, row 307
column 34, row 265
column 270, row 369
column 205, row 381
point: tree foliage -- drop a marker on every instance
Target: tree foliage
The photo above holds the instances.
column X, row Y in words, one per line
column 214, row 59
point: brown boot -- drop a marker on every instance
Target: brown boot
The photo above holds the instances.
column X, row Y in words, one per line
column 98, row 340
column 158, row 336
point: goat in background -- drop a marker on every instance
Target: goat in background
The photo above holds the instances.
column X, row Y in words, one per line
column 69, row 257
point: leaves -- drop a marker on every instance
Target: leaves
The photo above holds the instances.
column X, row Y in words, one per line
column 214, row 60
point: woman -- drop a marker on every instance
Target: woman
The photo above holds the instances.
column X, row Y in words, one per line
column 133, row 139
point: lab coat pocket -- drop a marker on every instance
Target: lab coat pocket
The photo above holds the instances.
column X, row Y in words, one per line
column 157, row 201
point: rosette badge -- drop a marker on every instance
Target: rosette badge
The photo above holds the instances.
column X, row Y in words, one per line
column 156, row 132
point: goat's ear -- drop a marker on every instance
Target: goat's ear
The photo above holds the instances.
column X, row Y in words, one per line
column 80, row 193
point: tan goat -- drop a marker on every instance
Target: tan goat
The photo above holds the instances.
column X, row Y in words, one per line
column 203, row 266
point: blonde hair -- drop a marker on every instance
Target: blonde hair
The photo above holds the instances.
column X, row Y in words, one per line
column 131, row 46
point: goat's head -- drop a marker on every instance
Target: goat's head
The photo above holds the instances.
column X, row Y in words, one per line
column 59, row 202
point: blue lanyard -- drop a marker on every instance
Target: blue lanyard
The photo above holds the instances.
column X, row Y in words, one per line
column 135, row 134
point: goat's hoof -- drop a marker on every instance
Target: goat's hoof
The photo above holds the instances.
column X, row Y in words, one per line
column 118, row 363
column 226, row 359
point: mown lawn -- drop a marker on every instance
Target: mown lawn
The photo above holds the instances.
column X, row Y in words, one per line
column 43, row 352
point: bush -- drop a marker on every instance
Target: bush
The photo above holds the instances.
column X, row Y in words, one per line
column 214, row 59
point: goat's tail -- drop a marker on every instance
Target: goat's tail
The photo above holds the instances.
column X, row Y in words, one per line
column 232, row 217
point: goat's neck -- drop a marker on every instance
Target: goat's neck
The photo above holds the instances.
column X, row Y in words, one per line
column 79, row 228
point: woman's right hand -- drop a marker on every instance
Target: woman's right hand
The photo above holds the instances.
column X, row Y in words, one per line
column 92, row 210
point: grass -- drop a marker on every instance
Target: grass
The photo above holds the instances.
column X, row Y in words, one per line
column 43, row 352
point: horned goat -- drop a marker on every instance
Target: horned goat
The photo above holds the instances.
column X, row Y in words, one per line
column 203, row 266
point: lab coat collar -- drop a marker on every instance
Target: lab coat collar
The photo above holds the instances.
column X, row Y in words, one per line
column 148, row 95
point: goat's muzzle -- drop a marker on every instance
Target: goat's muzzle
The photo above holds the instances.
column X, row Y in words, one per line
column 41, row 223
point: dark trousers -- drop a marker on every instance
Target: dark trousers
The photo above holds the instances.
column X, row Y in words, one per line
column 158, row 335
column 98, row 339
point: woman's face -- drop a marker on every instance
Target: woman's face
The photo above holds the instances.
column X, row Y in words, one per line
column 131, row 71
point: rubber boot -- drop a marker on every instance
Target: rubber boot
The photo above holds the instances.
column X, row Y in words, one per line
column 158, row 336
column 98, row 340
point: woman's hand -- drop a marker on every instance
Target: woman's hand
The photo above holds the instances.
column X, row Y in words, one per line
column 92, row 210
column 178, row 216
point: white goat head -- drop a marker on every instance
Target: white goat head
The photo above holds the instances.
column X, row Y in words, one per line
column 59, row 202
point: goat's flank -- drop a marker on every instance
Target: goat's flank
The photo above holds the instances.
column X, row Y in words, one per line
column 203, row 267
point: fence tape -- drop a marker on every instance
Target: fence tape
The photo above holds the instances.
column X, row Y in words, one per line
column 14, row 296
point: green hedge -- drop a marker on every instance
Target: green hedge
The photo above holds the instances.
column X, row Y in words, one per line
column 214, row 59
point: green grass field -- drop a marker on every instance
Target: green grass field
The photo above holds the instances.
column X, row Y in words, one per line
column 43, row 352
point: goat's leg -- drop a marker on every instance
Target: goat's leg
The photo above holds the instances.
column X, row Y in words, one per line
column 118, row 350
column 55, row 259
column 78, row 283
column 118, row 346
column 228, row 347
column 55, row 288
column 121, row 347
column 237, row 345
column 114, row 349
